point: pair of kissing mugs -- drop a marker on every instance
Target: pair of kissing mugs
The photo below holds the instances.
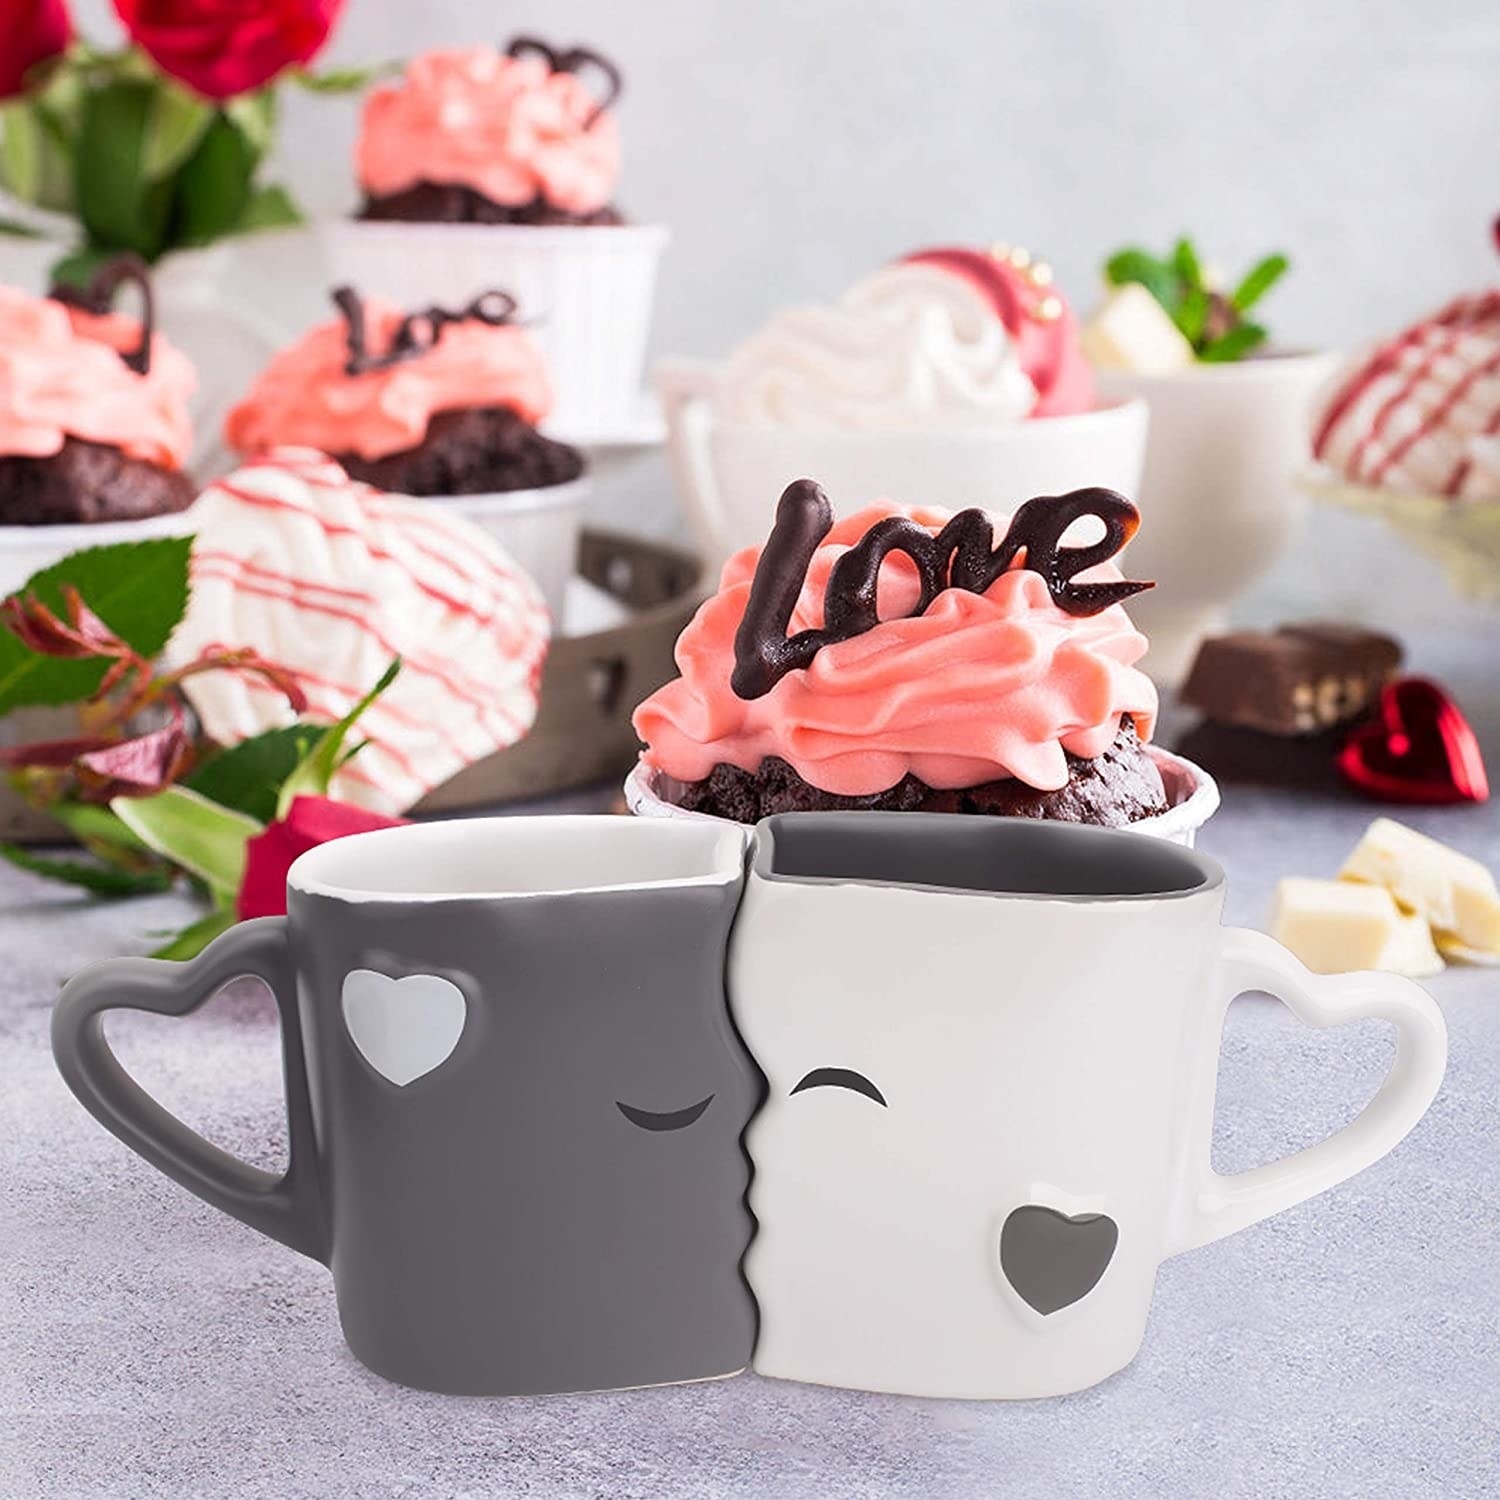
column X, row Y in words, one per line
column 965, row 1067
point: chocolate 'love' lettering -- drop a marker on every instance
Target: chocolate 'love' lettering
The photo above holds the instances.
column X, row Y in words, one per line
column 98, row 297
column 574, row 60
column 962, row 555
column 418, row 331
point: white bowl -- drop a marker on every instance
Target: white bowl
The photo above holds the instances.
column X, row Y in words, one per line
column 1192, row 795
column 730, row 475
column 585, row 291
column 1219, row 500
column 538, row 529
column 25, row 550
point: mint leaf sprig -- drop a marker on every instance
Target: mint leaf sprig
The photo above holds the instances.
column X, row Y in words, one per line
column 1213, row 321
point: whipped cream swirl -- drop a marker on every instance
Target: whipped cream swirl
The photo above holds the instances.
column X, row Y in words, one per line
column 910, row 346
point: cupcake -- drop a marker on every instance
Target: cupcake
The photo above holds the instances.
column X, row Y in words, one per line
column 94, row 420
column 330, row 579
column 954, row 371
column 438, row 404
column 475, row 136
column 479, row 164
column 907, row 659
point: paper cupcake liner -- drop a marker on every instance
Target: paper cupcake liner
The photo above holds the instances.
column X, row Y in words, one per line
column 1192, row 796
column 25, row 550
column 586, row 293
column 537, row 528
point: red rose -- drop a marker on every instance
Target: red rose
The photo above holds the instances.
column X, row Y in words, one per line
column 310, row 821
column 221, row 48
column 31, row 31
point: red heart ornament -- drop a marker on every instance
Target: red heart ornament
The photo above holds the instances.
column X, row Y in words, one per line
column 1419, row 749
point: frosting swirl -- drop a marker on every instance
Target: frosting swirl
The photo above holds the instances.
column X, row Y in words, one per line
column 507, row 127
column 1420, row 411
column 979, row 687
column 909, row 346
column 61, row 376
column 305, row 397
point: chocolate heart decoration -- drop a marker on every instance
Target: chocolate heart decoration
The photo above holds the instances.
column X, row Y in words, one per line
column 1418, row 749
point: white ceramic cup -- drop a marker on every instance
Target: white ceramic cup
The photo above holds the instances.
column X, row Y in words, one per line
column 1219, row 499
column 985, row 1130
column 1192, row 798
column 730, row 475
column 585, row 291
column 25, row 550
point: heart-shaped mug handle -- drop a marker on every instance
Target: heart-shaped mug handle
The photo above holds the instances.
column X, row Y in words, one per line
column 1210, row 1204
column 288, row 1207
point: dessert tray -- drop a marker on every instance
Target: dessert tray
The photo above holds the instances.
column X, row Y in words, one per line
column 1462, row 535
column 637, row 596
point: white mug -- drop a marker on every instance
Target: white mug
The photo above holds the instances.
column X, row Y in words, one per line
column 991, row 1048
column 730, row 475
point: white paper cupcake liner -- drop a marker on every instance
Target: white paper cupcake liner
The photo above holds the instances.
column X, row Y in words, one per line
column 586, row 293
column 1192, row 796
column 25, row 550
column 537, row 528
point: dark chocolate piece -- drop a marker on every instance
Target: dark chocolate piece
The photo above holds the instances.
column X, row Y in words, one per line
column 480, row 450
column 98, row 297
column 86, row 482
column 1253, row 757
column 1115, row 789
column 417, row 332
column 962, row 555
column 574, row 60
column 1298, row 679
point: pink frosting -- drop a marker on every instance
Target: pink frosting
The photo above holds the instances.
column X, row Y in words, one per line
column 980, row 687
column 304, row 398
column 61, row 376
column 507, row 127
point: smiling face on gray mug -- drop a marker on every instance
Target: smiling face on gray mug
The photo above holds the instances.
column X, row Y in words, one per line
column 524, row 1098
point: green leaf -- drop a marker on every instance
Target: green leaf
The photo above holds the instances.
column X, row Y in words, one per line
column 205, row 839
column 1186, row 264
column 121, row 206
column 1138, row 265
column 248, row 776
column 270, row 207
column 1258, row 281
column 92, row 824
column 342, row 80
column 254, row 116
column 1235, row 344
column 1192, row 315
column 212, row 189
column 77, row 267
column 193, row 939
column 139, row 589
column 22, row 142
column 176, row 123
column 102, row 880
column 313, row 774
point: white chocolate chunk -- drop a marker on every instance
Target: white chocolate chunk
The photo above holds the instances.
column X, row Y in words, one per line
column 1132, row 331
column 1335, row 926
column 1455, row 894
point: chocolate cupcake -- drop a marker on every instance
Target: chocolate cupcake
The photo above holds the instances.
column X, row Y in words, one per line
column 478, row 136
column 431, row 403
column 94, row 423
column 913, row 660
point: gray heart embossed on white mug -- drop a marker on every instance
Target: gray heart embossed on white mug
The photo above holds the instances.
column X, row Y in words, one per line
column 406, row 1027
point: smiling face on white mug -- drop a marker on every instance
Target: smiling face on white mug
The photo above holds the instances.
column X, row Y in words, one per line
column 988, row 1111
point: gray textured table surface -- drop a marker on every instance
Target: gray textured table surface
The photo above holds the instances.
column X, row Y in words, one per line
column 1350, row 1347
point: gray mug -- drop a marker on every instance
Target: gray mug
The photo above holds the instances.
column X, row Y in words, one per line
column 515, row 1097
